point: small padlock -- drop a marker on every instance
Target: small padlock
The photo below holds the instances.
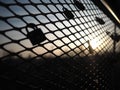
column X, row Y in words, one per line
column 79, row 5
column 100, row 20
column 68, row 13
column 36, row 36
column 115, row 37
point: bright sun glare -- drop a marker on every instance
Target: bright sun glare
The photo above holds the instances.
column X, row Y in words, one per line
column 94, row 43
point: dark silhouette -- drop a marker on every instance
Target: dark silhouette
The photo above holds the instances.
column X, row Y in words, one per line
column 100, row 20
column 79, row 5
column 68, row 13
column 36, row 36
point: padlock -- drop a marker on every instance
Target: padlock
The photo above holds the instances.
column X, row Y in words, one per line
column 68, row 13
column 90, row 47
column 115, row 37
column 100, row 20
column 79, row 5
column 36, row 36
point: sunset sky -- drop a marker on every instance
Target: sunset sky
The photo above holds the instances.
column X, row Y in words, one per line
column 62, row 34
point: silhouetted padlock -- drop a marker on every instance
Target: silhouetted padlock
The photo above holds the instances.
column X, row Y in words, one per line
column 100, row 20
column 36, row 36
column 79, row 5
column 115, row 37
column 68, row 13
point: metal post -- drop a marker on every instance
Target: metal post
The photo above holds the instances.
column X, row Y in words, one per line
column 114, row 42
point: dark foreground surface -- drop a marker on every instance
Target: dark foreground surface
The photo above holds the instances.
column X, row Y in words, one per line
column 88, row 73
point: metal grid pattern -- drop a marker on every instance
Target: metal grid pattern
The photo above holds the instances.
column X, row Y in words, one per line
column 64, row 59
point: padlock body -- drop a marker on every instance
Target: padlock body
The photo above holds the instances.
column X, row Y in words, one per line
column 101, row 21
column 79, row 5
column 36, row 36
column 68, row 14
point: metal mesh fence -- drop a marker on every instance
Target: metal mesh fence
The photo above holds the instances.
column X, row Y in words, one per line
column 74, row 54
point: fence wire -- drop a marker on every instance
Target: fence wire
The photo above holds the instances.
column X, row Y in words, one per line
column 74, row 54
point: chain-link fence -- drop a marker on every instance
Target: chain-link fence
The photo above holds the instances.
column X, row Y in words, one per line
column 55, row 44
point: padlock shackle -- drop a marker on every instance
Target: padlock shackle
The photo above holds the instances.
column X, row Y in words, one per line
column 64, row 8
column 30, row 25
